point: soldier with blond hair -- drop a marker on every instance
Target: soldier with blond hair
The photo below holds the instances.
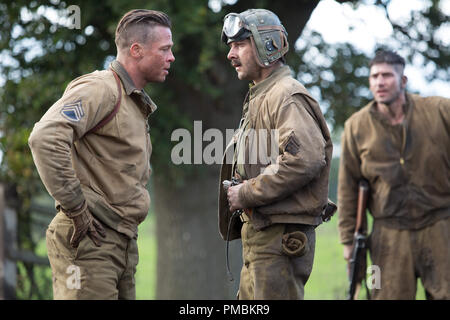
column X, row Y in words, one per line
column 92, row 150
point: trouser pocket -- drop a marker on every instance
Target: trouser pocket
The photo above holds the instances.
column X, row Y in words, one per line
column 58, row 237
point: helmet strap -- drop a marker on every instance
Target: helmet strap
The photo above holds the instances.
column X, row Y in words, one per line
column 259, row 48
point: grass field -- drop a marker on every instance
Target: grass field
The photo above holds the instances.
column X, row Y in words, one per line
column 146, row 269
column 329, row 276
column 328, row 280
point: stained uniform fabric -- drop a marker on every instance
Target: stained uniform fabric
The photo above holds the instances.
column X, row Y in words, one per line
column 268, row 273
column 404, row 255
column 109, row 168
column 408, row 170
column 89, row 272
column 407, row 165
column 286, row 194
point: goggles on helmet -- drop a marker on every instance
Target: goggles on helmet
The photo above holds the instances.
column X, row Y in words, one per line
column 233, row 25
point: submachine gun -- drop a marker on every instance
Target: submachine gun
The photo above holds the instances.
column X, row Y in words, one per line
column 226, row 185
column 357, row 263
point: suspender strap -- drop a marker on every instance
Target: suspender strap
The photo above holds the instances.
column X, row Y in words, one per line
column 109, row 117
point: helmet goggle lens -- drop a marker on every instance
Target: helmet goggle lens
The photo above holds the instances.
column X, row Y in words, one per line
column 232, row 25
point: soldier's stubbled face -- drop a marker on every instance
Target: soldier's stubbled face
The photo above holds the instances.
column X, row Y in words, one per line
column 386, row 83
column 157, row 56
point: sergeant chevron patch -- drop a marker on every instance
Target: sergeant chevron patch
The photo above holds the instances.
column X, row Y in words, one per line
column 73, row 112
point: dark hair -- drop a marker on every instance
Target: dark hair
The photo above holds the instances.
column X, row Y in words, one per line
column 389, row 57
column 130, row 27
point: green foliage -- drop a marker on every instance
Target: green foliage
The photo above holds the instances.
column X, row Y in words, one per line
column 36, row 287
column 39, row 57
column 418, row 36
column 335, row 74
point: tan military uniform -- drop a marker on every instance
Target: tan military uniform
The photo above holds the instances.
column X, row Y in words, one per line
column 89, row 272
column 109, row 169
column 408, row 169
column 287, row 195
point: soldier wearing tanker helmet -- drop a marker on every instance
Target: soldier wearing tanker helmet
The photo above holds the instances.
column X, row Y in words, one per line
column 273, row 206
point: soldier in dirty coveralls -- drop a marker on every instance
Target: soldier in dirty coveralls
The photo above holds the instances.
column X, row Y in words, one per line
column 92, row 150
column 400, row 144
column 283, row 199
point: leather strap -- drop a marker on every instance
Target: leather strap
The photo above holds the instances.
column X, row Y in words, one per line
column 109, row 117
column 363, row 190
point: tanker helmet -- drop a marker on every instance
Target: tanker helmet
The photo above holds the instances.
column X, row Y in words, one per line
column 263, row 27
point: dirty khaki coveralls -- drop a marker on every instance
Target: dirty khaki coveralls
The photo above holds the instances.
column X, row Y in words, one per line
column 287, row 196
column 109, row 169
column 408, row 170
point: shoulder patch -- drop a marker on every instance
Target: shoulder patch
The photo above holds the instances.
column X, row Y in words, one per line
column 73, row 111
column 292, row 144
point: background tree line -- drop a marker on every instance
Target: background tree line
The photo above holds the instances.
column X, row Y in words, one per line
column 38, row 58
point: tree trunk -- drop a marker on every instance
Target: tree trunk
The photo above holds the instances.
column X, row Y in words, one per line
column 191, row 253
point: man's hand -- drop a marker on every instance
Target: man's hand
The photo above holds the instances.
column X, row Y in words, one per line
column 348, row 248
column 84, row 223
column 233, row 197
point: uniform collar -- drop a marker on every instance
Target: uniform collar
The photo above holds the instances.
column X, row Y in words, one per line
column 271, row 80
column 130, row 88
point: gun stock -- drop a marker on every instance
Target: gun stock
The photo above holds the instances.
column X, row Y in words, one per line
column 358, row 257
